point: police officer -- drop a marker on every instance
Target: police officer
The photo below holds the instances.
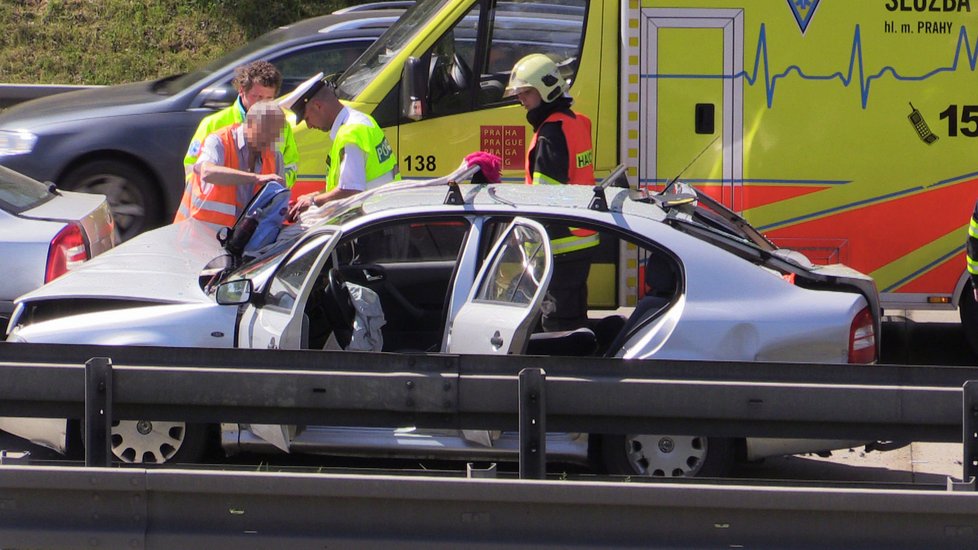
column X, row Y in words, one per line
column 255, row 81
column 360, row 158
column 560, row 152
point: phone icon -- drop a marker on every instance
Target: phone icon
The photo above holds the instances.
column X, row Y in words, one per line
column 917, row 120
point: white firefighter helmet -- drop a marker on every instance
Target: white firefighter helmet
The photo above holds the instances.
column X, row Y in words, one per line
column 539, row 72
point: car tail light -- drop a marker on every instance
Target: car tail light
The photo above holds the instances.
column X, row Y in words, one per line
column 862, row 338
column 66, row 252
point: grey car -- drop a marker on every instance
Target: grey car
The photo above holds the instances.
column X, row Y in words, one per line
column 461, row 273
column 44, row 233
column 128, row 141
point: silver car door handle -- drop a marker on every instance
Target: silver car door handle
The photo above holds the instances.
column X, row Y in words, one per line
column 371, row 278
column 496, row 340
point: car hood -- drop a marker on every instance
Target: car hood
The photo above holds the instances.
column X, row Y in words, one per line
column 80, row 105
column 161, row 266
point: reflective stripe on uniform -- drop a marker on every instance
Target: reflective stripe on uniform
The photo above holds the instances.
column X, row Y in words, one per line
column 972, row 266
column 563, row 245
column 543, row 179
column 973, row 229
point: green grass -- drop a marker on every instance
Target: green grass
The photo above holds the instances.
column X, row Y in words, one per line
column 114, row 41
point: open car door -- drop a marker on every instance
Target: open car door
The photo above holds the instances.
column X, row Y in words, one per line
column 278, row 322
column 505, row 300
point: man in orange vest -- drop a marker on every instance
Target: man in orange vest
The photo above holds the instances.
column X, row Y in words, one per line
column 234, row 163
column 560, row 152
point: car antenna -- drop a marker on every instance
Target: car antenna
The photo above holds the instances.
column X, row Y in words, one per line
column 683, row 171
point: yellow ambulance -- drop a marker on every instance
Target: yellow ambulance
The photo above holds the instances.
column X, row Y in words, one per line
column 845, row 129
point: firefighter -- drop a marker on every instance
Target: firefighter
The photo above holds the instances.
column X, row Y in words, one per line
column 254, row 82
column 560, row 152
column 973, row 251
column 234, row 163
column 360, row 158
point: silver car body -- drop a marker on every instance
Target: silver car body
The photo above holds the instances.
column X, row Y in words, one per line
column 727, row 308
column 26, row 234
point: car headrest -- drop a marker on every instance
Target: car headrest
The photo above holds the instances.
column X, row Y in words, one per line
column 661, row 278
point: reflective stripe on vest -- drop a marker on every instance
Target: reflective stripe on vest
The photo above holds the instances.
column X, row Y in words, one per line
column 219, row 206
column 574, row 243
column 580, row 155
column 379, row 155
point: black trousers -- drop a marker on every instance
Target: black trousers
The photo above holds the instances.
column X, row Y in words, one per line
column 568, row 289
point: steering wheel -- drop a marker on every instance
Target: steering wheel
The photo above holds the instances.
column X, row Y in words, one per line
column 340, row 312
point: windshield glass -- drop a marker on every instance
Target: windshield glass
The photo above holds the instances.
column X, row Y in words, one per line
column 368, row 65
column 19, row 192
column 260, row 268
column 713, row 214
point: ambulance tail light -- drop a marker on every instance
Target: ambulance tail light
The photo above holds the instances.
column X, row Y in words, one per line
column 862, row 338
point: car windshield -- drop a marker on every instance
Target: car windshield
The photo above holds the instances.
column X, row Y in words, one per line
column 19, row 192
column 364, row 69
column 258, row 269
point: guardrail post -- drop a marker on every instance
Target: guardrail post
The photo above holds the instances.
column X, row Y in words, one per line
column 969, row 425
column 98, row 411
column 533, row 425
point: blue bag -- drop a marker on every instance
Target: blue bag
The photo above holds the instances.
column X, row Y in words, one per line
column 261, row 220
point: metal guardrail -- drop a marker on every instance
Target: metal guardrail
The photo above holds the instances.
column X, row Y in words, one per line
column 56, row 507
column 447, row 391
column 482, row 392
column 60, row 507
column 12, row 94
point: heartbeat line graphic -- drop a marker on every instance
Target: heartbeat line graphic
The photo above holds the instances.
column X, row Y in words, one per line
column 855, row 70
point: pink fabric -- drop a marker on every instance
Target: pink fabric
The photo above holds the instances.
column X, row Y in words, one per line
column 488, row 163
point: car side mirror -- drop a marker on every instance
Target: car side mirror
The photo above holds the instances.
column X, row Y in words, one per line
column 234, row 292
column 414, row 89
column 218, row 97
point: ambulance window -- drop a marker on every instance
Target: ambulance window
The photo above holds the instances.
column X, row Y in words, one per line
column 519, row 28
column 450, row 67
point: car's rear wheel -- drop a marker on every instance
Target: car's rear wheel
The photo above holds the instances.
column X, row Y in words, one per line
column 158, row 442
column 667, row 455
column 131, row 192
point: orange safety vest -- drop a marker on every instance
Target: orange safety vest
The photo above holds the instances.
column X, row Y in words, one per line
column 219, row 206
column 580, row 153
column 580, row 171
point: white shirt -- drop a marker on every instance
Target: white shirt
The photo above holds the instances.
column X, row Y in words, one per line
column 213, row 152
column 353, row 167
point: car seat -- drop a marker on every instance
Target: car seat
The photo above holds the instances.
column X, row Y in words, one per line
column 661, row 285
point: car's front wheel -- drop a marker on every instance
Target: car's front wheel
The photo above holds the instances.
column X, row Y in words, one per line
column 667, row 455
column 158, row 442
column 132, row 193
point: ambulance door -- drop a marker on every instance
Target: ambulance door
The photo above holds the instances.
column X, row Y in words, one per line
column 467, row 70
column 692, row 95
